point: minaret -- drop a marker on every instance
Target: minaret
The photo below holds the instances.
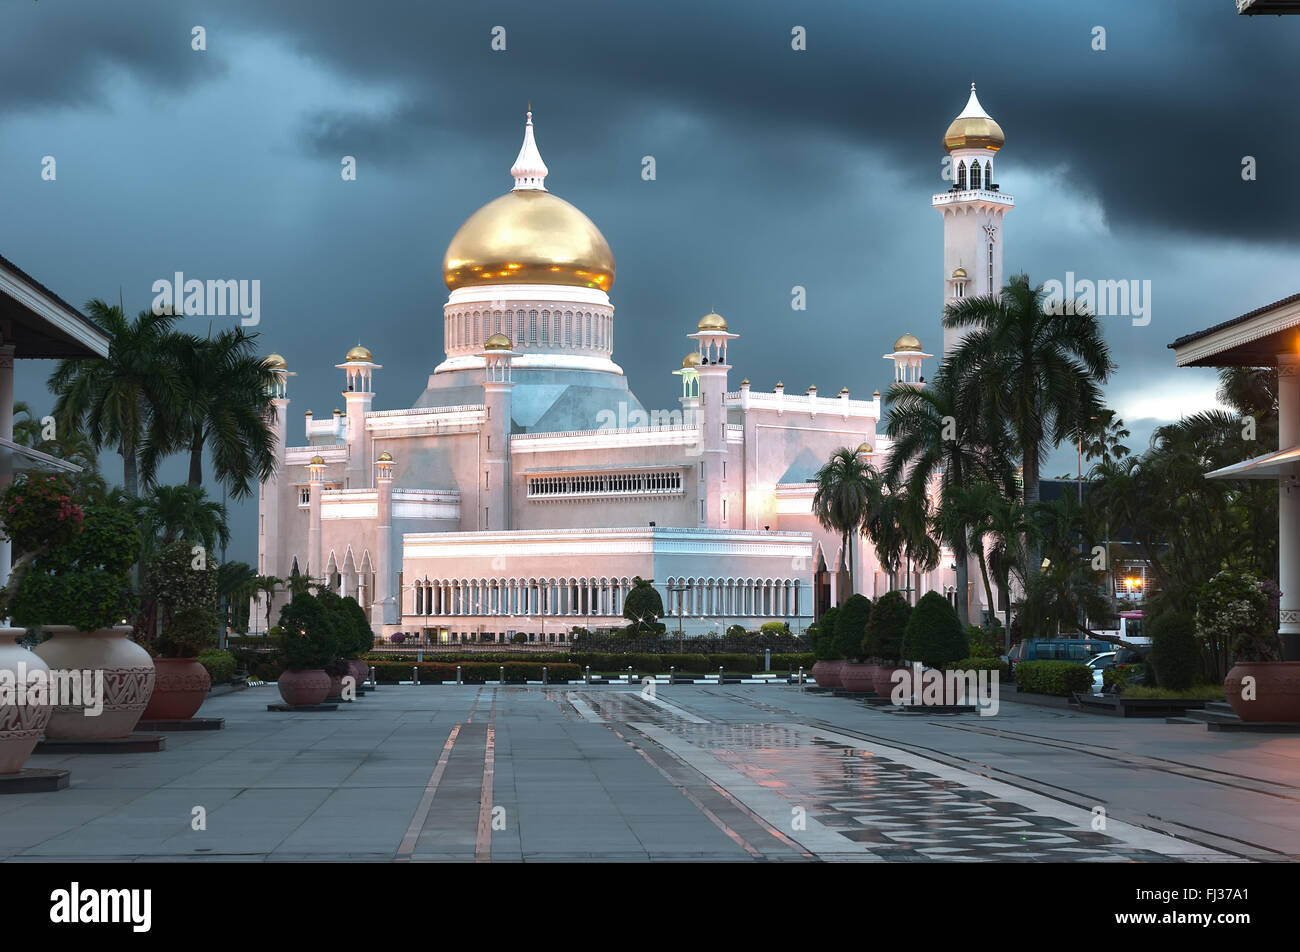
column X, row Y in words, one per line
column 712, row 337
column 270, row 494
column 316, row 485
column 908, row 357
column 358, row 366
column 972, row 211
column 494, row 446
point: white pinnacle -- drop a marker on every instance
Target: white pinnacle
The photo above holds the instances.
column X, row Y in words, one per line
column 973, row 108
column 529, row 170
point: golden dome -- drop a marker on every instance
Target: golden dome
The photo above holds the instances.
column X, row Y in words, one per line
column 691, row 360
column 712, row 322
column 359, row 353
column 274, row 362
column 528, row 236
column 959, row 273
column 497, row 342
column 318, row 461
column 865, row 450
column 974, row 128
column 907, row 342
column 385, row 457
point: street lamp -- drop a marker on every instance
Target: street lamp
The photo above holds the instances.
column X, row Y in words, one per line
column 679, row 589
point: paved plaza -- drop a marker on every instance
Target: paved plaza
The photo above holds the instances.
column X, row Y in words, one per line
column 712, row 773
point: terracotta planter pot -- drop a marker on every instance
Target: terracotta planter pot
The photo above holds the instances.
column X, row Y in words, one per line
column 827, row 674
column 336, row 684
column 128, row 677
column 883, row 679
column 857, row 678
column 21, row 725
column 359, row 670
column 1277, row 690
column 304, row 687
column 179, row 690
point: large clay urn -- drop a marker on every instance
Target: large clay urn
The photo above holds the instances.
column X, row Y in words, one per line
column 127, row 673
column 21, row 724
column 1276, row 690
column 858, row 678
column 304, row 687
column 883, row 679
column 179, row 690
column 827, row 674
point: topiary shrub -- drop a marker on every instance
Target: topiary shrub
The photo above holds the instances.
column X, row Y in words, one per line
column 220, row 665
column 768, row 628
column 643, row 607
column 308, row 637
column 884, row 639
column 1175, row 652
column 737, row 631
column 186, row 596
column 823, row 643
column 851, row 626
column 934, row 635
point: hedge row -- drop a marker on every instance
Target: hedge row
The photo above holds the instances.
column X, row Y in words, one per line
column 1057, row 678
column 982, row 664
column 600, row 661
column 391, row 672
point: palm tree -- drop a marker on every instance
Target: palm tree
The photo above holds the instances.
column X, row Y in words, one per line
column 224, row 404
column 968, row 509
column 935, row 437
column 116, row 399
column 1033, row 373
column 845, row 488
column 268, row 585
column 236, row 584
column 183, row 512
column 1009, row 528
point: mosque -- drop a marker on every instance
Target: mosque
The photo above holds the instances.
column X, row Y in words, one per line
column 528, row 486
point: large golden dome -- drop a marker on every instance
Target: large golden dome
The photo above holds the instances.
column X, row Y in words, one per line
column 907, row 342
column 974, row 129
column 528, row 236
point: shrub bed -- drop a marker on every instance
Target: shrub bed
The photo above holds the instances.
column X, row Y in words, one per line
column 793, row 662
column 981, row 664
column 220, row 665
column 391, row 672
column 1057, row 678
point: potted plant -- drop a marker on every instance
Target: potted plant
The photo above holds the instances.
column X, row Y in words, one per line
column 354, row 635
column 185, row 593
column 1238, row 611
column 73, row 583
column 307, row 643
column 883, row 644
column 934, row 637
column 827, row 668
column 850, row 630
column 22, row 719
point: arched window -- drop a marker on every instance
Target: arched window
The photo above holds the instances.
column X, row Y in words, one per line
column 961, row 175
column 988, row 174
column 974, row 175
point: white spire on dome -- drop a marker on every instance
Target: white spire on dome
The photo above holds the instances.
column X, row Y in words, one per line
column 529, row 170
column 973, row 108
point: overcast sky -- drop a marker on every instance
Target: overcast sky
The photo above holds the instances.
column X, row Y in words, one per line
column 775, row 168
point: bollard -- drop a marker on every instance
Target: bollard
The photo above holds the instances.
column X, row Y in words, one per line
column 801, row 675
column 415, row 675
column 458, row 681
column 629, row 674
column 672, row 673
column 587, row 677
column 543, row 674
column 719, row 675
column 373, row 675
column 501, row 675
column 767, row 659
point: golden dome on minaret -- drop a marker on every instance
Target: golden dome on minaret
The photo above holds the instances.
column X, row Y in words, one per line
column 974, row 128
column 712, row 322
column 274, row 362
column 528, row 236
column 359, row 353
column 691, row 360
column 497, row 341
column 906, row 343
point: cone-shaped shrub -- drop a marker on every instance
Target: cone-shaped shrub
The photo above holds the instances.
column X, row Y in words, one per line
column 1175, row 653
column 823, row 644
column 851, row 626
column 934, row 634
column 884, row 639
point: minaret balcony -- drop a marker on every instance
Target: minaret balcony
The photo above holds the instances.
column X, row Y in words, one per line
column 956, row 196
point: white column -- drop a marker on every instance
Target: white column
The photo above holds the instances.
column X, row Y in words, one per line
column 7, row 431
column 1288, row 507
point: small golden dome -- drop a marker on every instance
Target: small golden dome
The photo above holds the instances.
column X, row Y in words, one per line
column 691, row 360
column 780, row 385
column 385, row 457
column 497, row 342
column 318, row 461
column 907, row 342
column 359, row 353
column 865, row 450
column 844, row 389
column 745, row 382
column 528, row 236
column 875, row 393
column 308, row 413
column 974, row 128
column 812, row 388
column 712, row 322
column 959, row 273
column 274, row 362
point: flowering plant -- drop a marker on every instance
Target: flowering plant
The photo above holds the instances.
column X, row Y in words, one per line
column 185, row 589
column 1237, row 614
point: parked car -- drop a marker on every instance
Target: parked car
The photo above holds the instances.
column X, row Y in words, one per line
column 1122, row 658
column 1100, row 664
column 1057, row 649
